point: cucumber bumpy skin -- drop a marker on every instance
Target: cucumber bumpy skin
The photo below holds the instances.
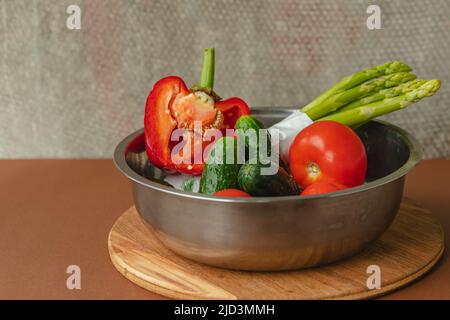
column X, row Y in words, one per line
column 280, row 184
column 217, row 174
column 248, row 122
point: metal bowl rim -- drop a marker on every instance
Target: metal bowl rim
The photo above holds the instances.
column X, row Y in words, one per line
column 415, row 155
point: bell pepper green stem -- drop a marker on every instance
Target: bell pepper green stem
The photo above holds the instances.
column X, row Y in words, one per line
column 207, row 76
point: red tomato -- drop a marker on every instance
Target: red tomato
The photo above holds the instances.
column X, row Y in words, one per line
column 328, row 151
column 231, row 193
column 322, row 187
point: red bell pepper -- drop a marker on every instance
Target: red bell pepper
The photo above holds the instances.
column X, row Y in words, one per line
column 232, row 109
column 171, row 105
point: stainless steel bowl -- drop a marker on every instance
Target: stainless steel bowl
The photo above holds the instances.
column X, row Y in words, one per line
column 275, row 233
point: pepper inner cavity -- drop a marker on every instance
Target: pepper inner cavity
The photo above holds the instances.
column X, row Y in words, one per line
column 196, row 106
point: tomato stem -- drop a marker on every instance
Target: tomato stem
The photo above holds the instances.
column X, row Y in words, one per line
column 313, row 169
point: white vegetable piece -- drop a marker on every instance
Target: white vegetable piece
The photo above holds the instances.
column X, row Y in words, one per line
column 288, row 129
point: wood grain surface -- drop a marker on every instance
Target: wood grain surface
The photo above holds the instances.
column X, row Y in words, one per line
column 411, row 247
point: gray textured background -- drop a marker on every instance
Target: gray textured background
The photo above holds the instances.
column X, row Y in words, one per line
column 67, row 93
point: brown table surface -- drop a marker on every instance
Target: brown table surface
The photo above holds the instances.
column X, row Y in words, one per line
column 55, row 213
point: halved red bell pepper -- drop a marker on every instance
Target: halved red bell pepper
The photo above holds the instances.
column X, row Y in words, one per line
column 232, row 109
column 171, row 105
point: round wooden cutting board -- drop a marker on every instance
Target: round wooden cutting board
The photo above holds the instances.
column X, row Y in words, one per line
column 410, row 248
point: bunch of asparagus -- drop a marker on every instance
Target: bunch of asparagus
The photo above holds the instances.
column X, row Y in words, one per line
column 370, row 93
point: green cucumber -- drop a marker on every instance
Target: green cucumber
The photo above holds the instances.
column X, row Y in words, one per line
column 191, row 184
column 256, row 184
column 217, row 174
column 245, row 123
column 248, row 122
column 242, row 127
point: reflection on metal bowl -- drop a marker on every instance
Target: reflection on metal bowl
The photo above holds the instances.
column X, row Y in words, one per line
column 275, row 233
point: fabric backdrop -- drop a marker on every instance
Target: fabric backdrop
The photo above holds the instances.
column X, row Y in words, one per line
column 76, row 93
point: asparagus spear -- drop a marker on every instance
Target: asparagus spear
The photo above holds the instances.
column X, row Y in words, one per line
column 338, row 100
column 385, row 93
column 356, row 116
column 356, row 79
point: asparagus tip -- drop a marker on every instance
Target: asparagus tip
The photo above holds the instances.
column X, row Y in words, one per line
column 430, row 87
column 397, row 66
